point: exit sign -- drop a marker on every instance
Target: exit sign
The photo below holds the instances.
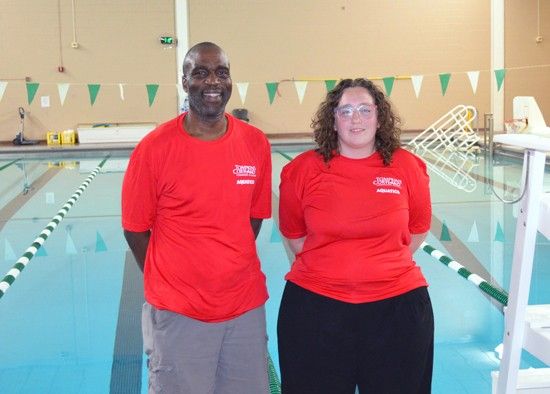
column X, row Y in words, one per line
column 168, row 40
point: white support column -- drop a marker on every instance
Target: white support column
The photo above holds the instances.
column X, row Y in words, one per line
column 522, row 265
column 181, row 8
column 497, row 62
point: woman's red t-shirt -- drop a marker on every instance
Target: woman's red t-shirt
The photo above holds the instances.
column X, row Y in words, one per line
column 357, row 216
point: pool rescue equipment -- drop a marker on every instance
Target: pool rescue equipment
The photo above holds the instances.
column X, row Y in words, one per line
column 20, row 138
column 65, row 137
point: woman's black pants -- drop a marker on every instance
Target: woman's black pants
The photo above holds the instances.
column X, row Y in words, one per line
column 331, row 347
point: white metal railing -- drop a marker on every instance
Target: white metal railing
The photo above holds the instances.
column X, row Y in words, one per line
column 452, row 131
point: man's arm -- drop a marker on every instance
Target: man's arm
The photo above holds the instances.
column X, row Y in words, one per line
column 138, row 242
column 256, row 226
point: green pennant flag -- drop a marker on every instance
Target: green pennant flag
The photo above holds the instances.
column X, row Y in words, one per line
column 31, row 91
column 330, row 84
column 499, row 235
column 388, row 84
column 499, row 74
column 445, row 236
column 444, row 79
column 94, row 90
column 99, row 243
column 41, row 252
column 151, row 93
column 275, row 235
column 271, row 90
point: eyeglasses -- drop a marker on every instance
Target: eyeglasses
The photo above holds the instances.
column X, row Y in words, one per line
column 365, row 111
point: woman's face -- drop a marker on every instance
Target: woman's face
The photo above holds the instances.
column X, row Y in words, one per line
column 356, row 122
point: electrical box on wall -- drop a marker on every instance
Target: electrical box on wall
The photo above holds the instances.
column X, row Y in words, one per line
column 168, row 40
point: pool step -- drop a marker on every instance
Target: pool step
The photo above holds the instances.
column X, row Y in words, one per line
column 530, row 381
column 537, row 331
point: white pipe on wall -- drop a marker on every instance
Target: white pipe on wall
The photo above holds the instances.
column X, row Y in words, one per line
column 497, row 62
column 182, row 35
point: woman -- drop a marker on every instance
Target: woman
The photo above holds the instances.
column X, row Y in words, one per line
column 355, row 310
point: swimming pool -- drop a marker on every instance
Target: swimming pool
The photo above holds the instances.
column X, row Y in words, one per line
column 71, row 320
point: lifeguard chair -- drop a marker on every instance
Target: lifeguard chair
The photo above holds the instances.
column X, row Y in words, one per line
column 527, row 326
column 528, row 118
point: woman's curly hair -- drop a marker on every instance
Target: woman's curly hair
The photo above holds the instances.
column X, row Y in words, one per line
column 387, row 134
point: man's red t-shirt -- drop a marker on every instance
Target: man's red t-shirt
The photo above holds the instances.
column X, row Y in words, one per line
column 357, row 216
column 197, row 198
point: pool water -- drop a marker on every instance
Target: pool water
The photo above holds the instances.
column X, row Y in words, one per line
column 71, row 320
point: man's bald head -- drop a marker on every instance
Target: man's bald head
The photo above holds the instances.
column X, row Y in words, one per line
column 189, row 58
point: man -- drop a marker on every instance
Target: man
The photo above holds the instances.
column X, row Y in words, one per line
column 193, row 199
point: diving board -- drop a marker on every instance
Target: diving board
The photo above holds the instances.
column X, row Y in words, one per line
column 526, row 326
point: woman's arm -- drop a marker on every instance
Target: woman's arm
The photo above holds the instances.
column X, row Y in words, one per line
column 296, row 245
column 416, row 241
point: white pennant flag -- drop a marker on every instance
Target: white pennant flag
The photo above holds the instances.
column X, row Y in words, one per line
column 300, row 89
column 417, row 83
column 121, row 90
column 8, row 251
column 62, row 89
column 474, row 78
column 474, row 236
column 243, row 88
column 3, row 85
column 70, row 248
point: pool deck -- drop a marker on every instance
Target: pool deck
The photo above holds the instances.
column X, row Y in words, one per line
column 9, row 150
column 7, row 147
column 298, row 140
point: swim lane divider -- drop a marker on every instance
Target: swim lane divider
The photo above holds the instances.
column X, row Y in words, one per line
column 483, row 285
column 274, row 382
column 14, row 272
column 289, row 158
column 9, row 164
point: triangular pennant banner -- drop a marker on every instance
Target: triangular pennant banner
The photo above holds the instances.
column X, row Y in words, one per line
column 152, row 92
column 271, row 90
column 41, row 252
column 3, row 85
column 99, row 243
column 62, row 89
column 69, row 245
column 121, row 90
column 445, row 236
column 8, row 251
column 243, row 89
column 31, row 91
column 417, row 83
column 330, row 84
column 388, row 84
column 499, row 74
column 473, row 76
column 444, row 80
column 93, row 89
column 499, row 235
column 300, row 89
column 275, row 235
column 474, row 236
